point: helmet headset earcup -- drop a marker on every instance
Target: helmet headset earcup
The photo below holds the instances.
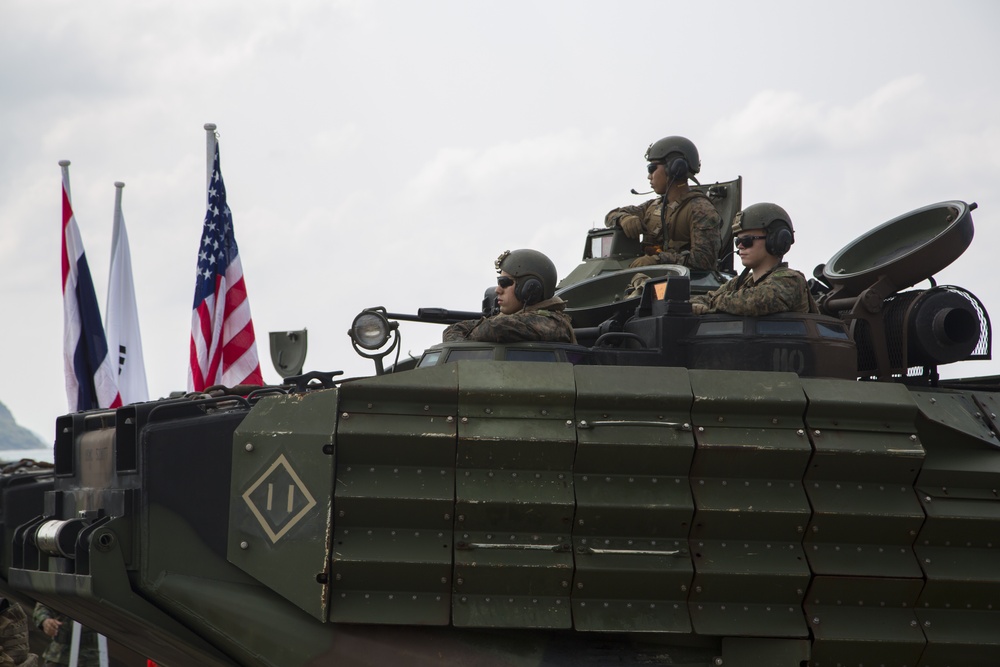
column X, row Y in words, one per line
column 528, row 290
column 678, row 168
column 779, row 239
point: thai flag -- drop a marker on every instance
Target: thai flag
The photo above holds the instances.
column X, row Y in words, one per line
column 223, row 347
column 90, row 378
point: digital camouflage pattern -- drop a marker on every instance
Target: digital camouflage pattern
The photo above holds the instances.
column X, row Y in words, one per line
column 14, row 636
column 543, row 321
column 780, row 290
column 693, row 237
column 59, row 647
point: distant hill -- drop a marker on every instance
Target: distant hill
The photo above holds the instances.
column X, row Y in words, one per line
column 13, row 436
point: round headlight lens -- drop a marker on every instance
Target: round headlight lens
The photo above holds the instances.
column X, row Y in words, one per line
column 371, row 330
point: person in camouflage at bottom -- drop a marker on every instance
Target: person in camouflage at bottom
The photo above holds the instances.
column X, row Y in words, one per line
column 60, row 628
column 689, row 230
column 528, row 309
column 763, row 234
column 14, row 636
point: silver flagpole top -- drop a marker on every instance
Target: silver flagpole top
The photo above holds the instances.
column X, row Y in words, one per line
column 119, row 184
column 63, row 163
column 210, row 127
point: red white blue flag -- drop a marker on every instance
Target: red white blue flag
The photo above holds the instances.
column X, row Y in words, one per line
column 223, row 348
column 90, row 378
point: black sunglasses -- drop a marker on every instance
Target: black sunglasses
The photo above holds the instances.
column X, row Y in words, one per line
column 653, row 166
column 505, row 281
column 747, row 241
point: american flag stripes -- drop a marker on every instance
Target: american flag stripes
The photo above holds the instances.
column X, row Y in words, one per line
column 90, row 378
column 223, row 348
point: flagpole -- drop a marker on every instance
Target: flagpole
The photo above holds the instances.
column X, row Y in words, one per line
column 65, row 176
column 210, row 141
column 119, row 186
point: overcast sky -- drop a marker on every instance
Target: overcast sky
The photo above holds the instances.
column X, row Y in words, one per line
column 385, row 152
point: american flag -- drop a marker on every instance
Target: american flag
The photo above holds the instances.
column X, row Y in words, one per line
column 223, row 348
column 90, row 378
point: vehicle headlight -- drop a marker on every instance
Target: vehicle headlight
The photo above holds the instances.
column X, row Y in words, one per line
column 370, row 330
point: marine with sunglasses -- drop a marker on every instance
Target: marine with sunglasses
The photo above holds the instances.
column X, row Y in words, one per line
column 528, row 309
column 681, row 226
column 763, row 233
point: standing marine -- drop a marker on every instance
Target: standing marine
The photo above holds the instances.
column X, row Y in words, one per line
column 681, row 226
column 528, row 309
column 60, row 628
column 763, row 233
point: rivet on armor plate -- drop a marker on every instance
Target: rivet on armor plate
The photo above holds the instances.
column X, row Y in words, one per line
column 465, row 420
column 244, row 545
column 369, row 405
column 427, row 408
column 450, row 419
column 249, row 447
column 344, row 415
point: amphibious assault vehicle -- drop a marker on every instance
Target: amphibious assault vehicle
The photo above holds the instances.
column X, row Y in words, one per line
column 792, row 490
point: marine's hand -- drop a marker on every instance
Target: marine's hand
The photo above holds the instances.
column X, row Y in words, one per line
column 50, row 626
column 645, row 260
column 631, row 225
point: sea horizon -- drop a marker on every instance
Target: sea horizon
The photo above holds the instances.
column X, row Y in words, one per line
column 39, row 454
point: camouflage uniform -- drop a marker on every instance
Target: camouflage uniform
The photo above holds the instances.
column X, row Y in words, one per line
column 58, row 651
column 14, row 636
column 694, row 236
column 543, row 321
column 780, row 290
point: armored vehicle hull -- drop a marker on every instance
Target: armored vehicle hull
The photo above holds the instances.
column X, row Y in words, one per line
column 668, row 494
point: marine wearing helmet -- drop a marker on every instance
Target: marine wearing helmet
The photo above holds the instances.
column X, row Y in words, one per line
column 681, row 226
column 528, row 310
column 763, row 233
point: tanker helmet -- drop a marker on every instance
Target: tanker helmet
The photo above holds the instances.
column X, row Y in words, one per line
column 773, row 219
column 534, row 272
column 679, row 155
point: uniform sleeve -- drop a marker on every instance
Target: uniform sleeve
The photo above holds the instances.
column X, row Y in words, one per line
column 540, row 325
column 459, row 331
column 783, row 291
column 706, row 241
column 40, row 613
column 616, row 214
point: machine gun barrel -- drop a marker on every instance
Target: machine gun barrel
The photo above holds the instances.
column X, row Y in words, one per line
column 436, row 315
